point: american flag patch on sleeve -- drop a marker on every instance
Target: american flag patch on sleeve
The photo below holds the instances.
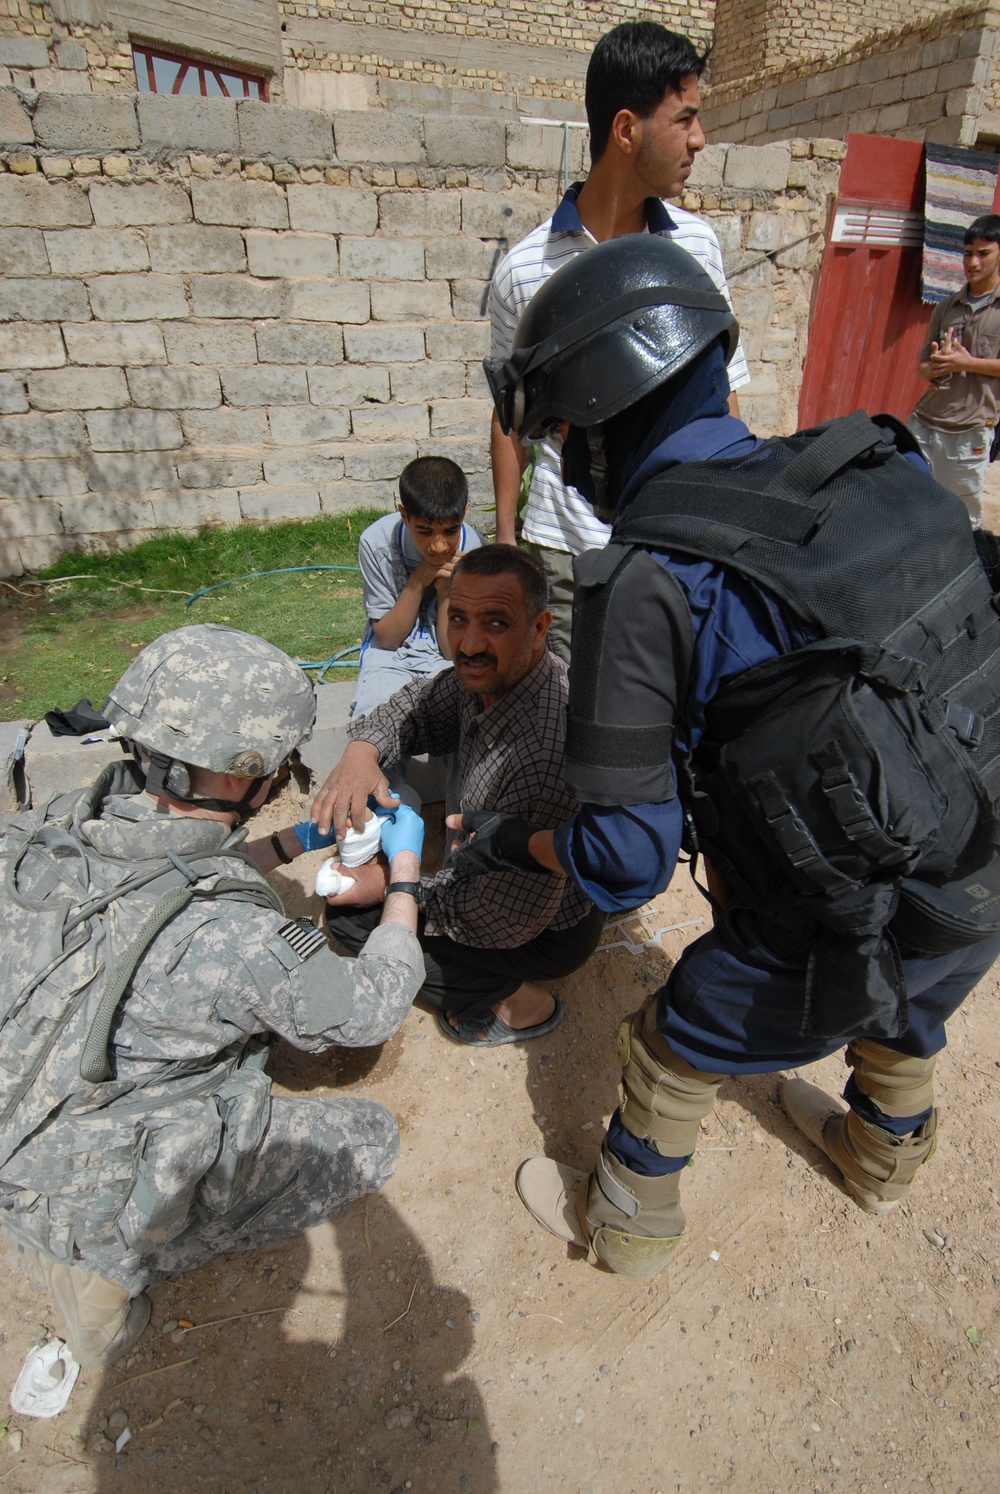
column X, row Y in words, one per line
column 305, row 939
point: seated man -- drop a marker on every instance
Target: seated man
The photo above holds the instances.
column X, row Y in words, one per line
column 145, row 961
column 487, row 940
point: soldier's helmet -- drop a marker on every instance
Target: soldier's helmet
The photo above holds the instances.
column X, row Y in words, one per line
column 214, row 698
column 615, row 323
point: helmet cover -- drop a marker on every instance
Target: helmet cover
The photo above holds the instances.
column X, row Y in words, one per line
column 215, row 698
column 604, row 330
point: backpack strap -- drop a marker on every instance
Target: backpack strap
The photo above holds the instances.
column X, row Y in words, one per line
column 840, row 444
column 94, row 1065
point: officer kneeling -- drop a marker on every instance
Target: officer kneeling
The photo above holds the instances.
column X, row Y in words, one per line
column 787, row 661
column 145, row 960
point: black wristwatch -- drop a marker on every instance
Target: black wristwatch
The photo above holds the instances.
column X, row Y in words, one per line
column 413, row 888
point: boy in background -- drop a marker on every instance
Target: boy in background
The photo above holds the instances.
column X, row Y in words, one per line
column 955, row 419
column 406, row 563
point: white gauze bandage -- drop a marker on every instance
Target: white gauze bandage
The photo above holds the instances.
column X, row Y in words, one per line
column 330, row 881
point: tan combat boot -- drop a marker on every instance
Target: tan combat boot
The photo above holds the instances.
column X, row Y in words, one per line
column 101, row 1320
column 877, row 1168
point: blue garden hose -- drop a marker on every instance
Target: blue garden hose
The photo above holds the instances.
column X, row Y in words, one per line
column 339, row 659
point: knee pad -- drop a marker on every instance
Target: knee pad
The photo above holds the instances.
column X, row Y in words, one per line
column 898, row 1084
column 663, row 1099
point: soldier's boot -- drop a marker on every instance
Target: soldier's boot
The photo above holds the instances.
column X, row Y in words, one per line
column 626, row 1220
column 101, row 1320
column 877, row 1166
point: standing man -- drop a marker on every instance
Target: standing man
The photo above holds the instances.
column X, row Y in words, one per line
column 785, row 658
column 642, row 107
column 955, row 419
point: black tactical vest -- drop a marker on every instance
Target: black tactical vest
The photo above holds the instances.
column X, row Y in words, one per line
column 847, row 791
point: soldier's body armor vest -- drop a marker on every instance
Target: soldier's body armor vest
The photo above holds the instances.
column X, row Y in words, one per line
column 847, row 790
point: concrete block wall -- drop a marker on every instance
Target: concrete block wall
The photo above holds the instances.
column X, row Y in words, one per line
column 925, row 81
column 194, row 337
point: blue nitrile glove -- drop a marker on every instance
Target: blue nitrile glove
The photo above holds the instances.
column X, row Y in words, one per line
column 403, row 830
column 495, row 842
column 309, row 836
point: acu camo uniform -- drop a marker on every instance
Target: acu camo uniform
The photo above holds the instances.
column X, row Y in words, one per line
column 181, row 1152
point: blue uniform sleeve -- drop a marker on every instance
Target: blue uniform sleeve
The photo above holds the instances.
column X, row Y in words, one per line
column 621, row 857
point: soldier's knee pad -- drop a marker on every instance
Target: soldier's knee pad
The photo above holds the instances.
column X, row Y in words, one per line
column 898, row 1084
column 663, row 1099
column 633, row 1222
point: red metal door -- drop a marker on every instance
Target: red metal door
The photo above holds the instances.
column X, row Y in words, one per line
column 868, row 321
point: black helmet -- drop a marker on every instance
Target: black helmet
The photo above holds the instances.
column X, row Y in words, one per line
column 614, row 323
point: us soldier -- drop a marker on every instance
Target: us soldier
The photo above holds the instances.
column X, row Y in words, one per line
column 790, row 650
column 145, row 960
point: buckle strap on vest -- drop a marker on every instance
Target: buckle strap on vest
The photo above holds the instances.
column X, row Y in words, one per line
column 793, row 836
column 852, row 810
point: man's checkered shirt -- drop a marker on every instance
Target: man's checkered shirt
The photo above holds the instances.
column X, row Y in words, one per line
column 512, row 759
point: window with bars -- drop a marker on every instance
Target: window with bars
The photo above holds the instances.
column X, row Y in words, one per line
column 160, row 71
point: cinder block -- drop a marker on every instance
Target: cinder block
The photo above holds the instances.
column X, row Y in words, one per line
column 34, row 202
column 291, row 254
column 265, row 385
column 709, row 167
column 305, row 425
column 42, row 435
column 341, row 497
column 892, row 118
column 109, row 342
column 382, row 259
column 23, row 52
column 459, row 259
column 137, row 298
column 764, row 231
column 760, row 167
column 234, row 295
column 86, row 122
column 134, row 430
column 468, row 299
column 378, row 137
column 100, row 513
column 887, row 91
column 31, row 346
column 405, row 214
column 95, row 251
column 410, row 301
column 45, row 477
column 129, row 471
column 218, row 471
column 175, row 388
column 873, row 69
column 314, row 466
column 267, row 504
column 941, row 50
column 332, row 210
column 18, row 519
column 78, row 389
column 472, row 456
column 389, row 422
column 427, row 381
column 224, row 427
column 374, row 461
column 470, row 340
column 384, row 344
column 13, row 398
column 186, row 510
column 175, row 124
column 140, row 204
column 532, row 147
column 460, row 417
column 195, row 342
column 194, row 249
column 43, row 300
column 466, row 142
column 507, row 216
column 238, row 203
column 283, row 134
column 15, row 125
column 348, row 385
column 299, row 342
column 964, row 72
column 327, row 301
column 22, row 252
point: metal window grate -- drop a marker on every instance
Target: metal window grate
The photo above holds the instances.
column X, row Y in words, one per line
column 884, row 227
column 159, row 71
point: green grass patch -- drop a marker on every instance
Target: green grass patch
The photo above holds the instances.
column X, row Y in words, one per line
column 73, row 635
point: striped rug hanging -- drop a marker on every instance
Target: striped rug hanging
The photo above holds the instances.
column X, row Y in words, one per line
column 960, row 187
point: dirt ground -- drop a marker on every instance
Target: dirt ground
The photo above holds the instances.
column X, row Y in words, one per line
column 435, row 1340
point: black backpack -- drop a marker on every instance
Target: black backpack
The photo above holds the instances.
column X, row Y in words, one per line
column 847, row 790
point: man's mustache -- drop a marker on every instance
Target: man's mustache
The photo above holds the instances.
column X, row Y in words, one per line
column 475, row 659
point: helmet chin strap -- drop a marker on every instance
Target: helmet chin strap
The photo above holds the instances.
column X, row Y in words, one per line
column 165, row 776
